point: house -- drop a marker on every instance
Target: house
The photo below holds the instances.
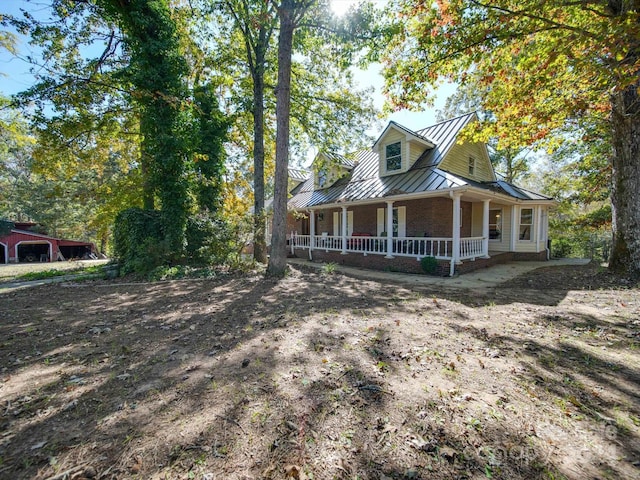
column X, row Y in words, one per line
column 416, row 194
column 23, row 244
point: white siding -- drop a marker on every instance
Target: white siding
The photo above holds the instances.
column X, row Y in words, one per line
column 503, row 244
column 334, row 172
column 457, row 162
column 414, row 153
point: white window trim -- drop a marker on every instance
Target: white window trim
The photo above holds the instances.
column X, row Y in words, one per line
column 321, row 173
column 530, row 225
column 386, row 159
column 473, row 164
column 497, row 240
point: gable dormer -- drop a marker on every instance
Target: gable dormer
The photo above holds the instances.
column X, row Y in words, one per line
column 469, row 160
column 328, row 168
column 398, row 148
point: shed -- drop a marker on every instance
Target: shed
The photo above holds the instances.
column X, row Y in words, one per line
column 23, row 245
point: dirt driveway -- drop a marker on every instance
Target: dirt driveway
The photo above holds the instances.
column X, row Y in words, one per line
column 322, row 377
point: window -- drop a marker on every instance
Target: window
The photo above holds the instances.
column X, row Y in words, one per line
column 526, row 223
column 393, row 155
column 337, row 223
column 399, row 221
column 322, row 178
column 472, row 165
column 495, row 225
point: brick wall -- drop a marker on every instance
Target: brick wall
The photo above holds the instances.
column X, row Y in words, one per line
column 432, row 217
column 410, row 264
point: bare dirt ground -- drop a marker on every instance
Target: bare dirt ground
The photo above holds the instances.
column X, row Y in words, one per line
column 322, row 377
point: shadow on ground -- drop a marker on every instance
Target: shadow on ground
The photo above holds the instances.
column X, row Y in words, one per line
column 318, row 376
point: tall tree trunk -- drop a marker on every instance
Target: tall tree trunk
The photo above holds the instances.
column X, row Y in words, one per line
column 259, row 241
column 625, row 191
column 278, row 258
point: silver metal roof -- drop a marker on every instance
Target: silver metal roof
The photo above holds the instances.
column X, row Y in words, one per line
column 365, row 183
column 298, row 175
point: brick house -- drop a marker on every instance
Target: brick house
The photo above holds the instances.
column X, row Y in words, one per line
column 415, row 194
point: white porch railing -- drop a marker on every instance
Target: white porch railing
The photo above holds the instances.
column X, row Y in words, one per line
column 472, row 247
column 418, row 247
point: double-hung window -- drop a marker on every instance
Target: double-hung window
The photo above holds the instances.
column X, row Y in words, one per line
column 393, row 156
column 322, row 178
column 495, row 225
column 472, row 166
column 526, row 223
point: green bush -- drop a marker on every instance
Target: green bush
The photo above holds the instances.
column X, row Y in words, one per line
column 562, row 247
column 6, row 227
column 138, row 241
column 210, row 240
column 429, row 265
column 140, row 245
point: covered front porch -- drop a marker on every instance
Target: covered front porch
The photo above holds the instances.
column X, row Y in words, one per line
column 454, row 229
column 455, row 248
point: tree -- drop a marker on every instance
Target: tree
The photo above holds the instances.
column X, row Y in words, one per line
column 256, row 22
column 290, row 12
column 157, row 72
column 546, row 64
column 510, row 162
column 127, row 113
column 327, row 109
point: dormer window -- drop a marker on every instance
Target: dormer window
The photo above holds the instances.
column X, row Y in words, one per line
column 322, row 178
column 393, row 155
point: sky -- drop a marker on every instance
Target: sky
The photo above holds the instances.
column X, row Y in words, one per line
column 15, row 75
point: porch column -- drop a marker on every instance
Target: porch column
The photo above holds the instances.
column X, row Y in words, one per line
column 485, row 228
column 344, row 231
column 389, row 230
column 537, row 226
column 456, row 228
column 312, row 229
column 514, row 230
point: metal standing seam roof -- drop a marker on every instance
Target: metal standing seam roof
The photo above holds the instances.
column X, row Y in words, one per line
column 298, row 174
column 424, row 176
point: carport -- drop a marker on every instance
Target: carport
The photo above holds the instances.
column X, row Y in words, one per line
column 28, row 246
column 34, row 251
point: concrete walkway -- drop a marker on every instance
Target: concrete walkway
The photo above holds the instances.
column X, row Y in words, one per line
column 484, row 278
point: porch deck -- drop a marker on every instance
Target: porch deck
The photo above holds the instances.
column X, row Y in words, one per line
column 441, row 248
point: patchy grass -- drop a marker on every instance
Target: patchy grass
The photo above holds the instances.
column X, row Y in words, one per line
column 321, row 377
column 38, row 271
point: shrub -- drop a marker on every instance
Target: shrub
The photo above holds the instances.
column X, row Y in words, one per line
column 429, row 265
column 138, row 241
column 562, row 247
column 210, row 240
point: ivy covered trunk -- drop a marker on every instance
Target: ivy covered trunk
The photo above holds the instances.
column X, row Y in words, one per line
column 278, row 259
column 156, row 71
column 625, row 194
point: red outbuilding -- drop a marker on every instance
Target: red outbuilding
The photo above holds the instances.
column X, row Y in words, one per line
column 24, row 245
